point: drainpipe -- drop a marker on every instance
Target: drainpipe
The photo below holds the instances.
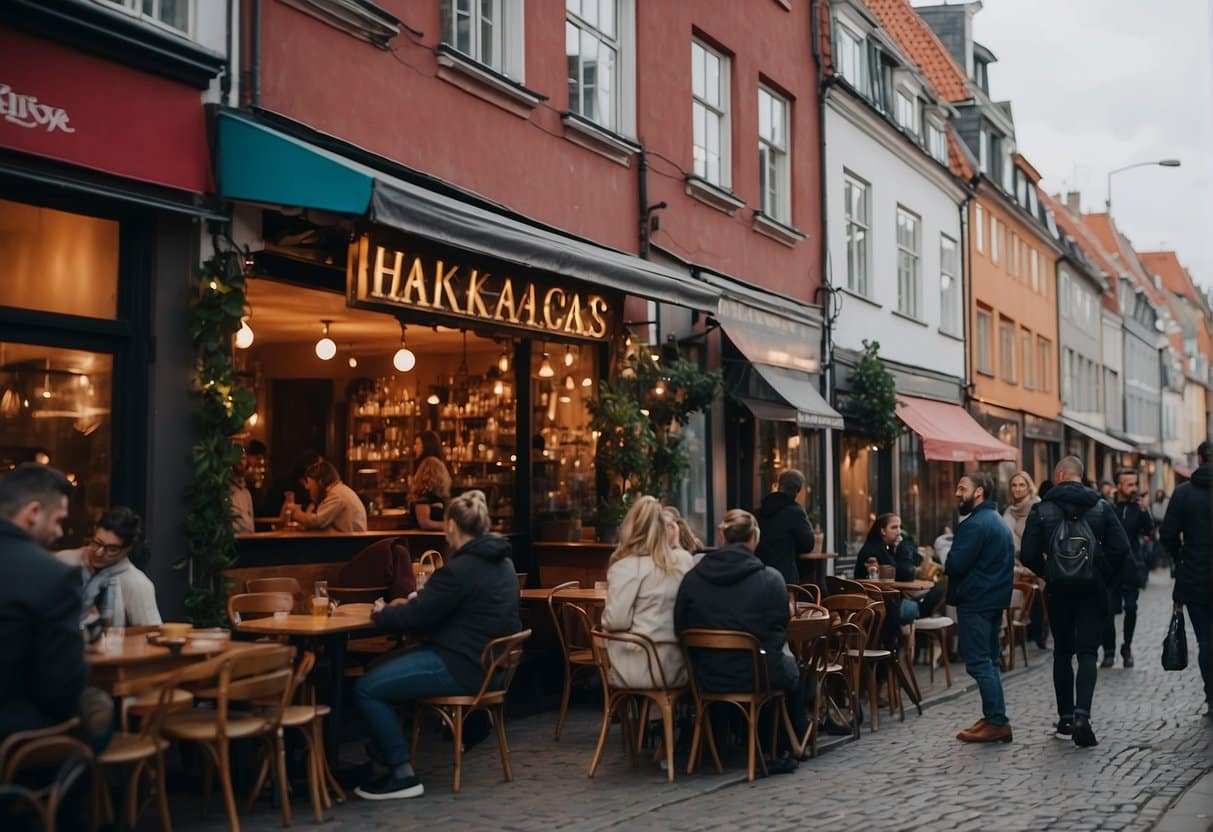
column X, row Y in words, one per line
column 966, row 283
column 255, row 55
column 225, row 84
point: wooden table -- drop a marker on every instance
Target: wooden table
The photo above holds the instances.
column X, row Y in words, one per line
column 135, row 658
column 814, row 563
column 911, row 589
column 332, row 633
column 541, row 594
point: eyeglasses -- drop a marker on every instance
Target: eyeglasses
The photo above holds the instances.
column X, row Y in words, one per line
column 106, row 548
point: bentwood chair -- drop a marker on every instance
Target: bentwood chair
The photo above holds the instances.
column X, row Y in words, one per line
column 808, row 638
column 749, row 702
column 659, row 693
column 50, row 748
column 575, row 645
column 500, row 660
column 868, row 615
column 801, row 594
column 290, row 585
column 1017, row 617
column 842, row 586
column 258, row 605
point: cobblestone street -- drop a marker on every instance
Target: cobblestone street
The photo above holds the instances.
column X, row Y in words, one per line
column 1154, row 744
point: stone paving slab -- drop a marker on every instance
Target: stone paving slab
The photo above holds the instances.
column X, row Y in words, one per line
column 1154, row 745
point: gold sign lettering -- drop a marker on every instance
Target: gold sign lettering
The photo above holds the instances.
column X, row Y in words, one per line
column 382, row 276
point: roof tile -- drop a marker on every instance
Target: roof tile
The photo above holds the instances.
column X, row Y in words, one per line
column 923, row 47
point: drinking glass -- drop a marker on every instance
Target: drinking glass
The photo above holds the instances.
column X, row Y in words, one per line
column 320, row 599
column 873, row 573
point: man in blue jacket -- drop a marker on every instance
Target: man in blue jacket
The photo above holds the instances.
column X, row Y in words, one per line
column 981, row 571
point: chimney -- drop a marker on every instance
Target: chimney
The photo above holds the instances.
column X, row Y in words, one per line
column 1074, row 202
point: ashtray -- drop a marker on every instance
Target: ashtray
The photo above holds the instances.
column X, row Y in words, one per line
column 174, row 645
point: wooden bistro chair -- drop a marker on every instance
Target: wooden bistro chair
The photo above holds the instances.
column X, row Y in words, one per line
column 500, row 660
column 575, row 646
column 842, row 586
column 750, row 703
column 258, row 605
column 808, row 637
column 937, row 628
column 869, row 616
column 660, row 693
column 290, row 585
column 257, row 674
column 51, row 748
column 802, row 594
column 1018, row 615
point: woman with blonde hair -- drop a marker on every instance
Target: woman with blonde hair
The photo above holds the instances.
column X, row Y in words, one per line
column 429, row 491
column 681, row 537
column 643, row 576
column 1023, row 497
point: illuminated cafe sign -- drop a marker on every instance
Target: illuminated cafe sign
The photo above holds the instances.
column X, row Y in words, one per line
column 380, row 277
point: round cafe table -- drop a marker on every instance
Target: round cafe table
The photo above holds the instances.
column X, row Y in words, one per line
column 115, row 664
column 911, row 589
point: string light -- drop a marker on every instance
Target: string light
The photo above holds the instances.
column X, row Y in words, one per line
column 353, row 362
column 545, row 367
column 326, row 347
column 244, row 335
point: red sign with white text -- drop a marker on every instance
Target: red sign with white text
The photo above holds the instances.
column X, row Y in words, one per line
column 75, row 107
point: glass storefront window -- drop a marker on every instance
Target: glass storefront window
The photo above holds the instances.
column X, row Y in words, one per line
column 58, row 262
column 928, row 490
column 857, row 479
column 783, row 445
column 691, row 495
column 55, row 409
column 563, row 380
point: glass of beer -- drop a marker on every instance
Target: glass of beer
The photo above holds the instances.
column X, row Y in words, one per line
column 320, row 599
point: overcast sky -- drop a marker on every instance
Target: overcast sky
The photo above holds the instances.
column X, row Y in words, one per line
column 1098, row 84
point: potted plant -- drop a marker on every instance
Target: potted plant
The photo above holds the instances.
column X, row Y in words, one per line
column 625, row 443
column 871, row 408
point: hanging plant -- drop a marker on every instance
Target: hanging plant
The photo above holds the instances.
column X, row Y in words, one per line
column 222, row 407
column 871, row 407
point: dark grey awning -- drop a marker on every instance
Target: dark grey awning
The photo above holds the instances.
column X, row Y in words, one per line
column 777, row 394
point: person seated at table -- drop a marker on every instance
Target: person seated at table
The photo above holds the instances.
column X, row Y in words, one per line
column 643, row 575
column 429, row 491
column 384, row 563
column 115, row 590
column 242, row 499
column 472, row 600
column 885, row 547
column 683, row 538
column 731, row 589
column 337, row 507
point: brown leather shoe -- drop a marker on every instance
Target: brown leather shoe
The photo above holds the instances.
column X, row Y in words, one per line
column 985, row 732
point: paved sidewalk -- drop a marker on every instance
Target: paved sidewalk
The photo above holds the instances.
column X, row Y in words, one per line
column 1154, row 745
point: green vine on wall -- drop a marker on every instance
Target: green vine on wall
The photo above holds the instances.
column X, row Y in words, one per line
column 222, row 406
column 871, row 408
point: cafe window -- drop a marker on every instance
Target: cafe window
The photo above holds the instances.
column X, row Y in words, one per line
column 783, row 446
column 59, row 262
column 927, row 492
column 858, row 484
column 55, row 408
column 690, row 494
column 563, row 380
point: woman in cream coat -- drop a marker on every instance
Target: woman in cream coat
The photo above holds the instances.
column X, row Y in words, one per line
column 642, row 583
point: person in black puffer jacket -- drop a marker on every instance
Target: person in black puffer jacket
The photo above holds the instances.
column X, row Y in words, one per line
column 731, row 589
column 466, row 604
column 1187, row 535
column 786, row 530
column 1076, row 614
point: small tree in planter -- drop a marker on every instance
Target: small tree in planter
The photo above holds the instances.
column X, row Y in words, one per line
column 622, row 456
column 222, row 408
column 871, row 408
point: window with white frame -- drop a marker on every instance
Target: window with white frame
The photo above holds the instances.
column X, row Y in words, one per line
column 487, row 31
column 1067, row 377
column 985, row 363
column 592, row 47
column 937, row 142
column 983, row 152
column 1027, row 360
column 979, row 229
column 774, row 170
column 907, row 112
column 851, row 62
column 856, row 195
column 710, row 114
column 1065, row 297
column 175, row 14
column 950, row 300
column 1006, row 350
column 908, row 256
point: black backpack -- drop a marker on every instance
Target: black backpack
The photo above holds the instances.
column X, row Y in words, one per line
column 1072, row 552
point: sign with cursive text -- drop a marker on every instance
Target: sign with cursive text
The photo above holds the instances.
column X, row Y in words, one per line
column 25, row 111
column 380, row 276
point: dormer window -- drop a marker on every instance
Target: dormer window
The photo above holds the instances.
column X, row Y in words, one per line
column 937, row 142
column 851, row 62
column 982, row 76
column 907, row 112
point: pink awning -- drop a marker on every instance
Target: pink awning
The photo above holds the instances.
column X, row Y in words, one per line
column 949, row 433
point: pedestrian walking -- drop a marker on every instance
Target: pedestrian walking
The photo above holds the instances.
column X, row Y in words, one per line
column 1187, row 535
column 1122, row 594
column 1074, row 541
column 981, row 572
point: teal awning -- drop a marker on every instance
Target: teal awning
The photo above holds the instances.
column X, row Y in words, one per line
column 259, row 164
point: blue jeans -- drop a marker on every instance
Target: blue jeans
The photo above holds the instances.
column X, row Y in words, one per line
column 416, row 674
column 978, row 636
column 909, row 610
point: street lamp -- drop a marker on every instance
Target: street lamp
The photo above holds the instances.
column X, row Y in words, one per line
column 1166, row 163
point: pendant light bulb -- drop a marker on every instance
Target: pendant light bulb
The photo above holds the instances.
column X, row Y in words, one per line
column 569, row 384
column 244, row 335
column 587, row 382
column 433, row 399
column 503, row 363
column 404, row 359
column 353, row 362
column 569, row 358
column 498, row 388
column 326, row 347
column 545, row 367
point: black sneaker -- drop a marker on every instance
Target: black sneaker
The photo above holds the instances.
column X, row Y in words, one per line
column 391, row 788
column 1126, row 653
column 1108, row 659
column 1084, row 737
column 784, row 764
column 1065, row 728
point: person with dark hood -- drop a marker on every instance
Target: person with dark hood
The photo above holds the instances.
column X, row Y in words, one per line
column 1187, row 536
column 1074, row 541
column 467, row 603
column 786, row 530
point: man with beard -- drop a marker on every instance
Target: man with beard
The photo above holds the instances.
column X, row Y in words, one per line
column 981, row 571
column 1124, row 589
column 1077, row 530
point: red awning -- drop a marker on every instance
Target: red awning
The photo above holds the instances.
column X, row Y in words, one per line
column 949, row 433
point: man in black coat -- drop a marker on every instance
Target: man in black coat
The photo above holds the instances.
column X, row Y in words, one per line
column 1187, row 535
column 1076, row 612
column 41, row 649
column 1123, row 592
column 786, row 530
